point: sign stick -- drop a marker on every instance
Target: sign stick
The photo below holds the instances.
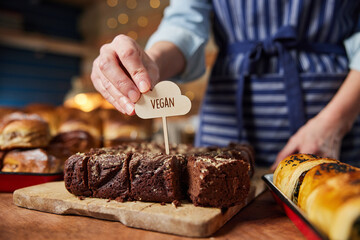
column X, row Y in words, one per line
column 164, row 100
column 166, row 138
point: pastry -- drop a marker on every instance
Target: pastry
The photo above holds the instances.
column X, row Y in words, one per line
column 288, row 172
column 33, row 160
column 20, row 130
column 317, row 176
column 65, row 144
column 334, row 206
column 46, row 112
column 118, row 128
column 6, row 110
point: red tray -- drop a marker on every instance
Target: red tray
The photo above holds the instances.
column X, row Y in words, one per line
column 295, row 214
column 10, row 181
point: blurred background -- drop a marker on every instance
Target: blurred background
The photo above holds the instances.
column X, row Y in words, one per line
column 47, row 48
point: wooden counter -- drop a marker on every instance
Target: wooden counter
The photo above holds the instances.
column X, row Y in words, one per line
column 262, row 219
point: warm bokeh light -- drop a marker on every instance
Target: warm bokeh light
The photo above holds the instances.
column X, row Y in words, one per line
column 133, row 35
column 112, row 3
column 111, row 23
column 81, row 99
column 142, row 21
column 123, row 18
column 87, row 102
column 155, row 3
column 131, row 4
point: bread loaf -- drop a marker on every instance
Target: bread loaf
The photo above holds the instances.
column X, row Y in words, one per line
column 327, row 190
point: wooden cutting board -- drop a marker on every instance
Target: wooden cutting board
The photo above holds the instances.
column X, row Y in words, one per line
column 185, row 220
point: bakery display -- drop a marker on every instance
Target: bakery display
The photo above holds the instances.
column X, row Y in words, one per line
column 46, row 112
column 78, row 132
column 21, row 130
column 63, row 131
column 31, row 161
column 327, row 190
column 119, row 128
column 66, row 144
column 141, row 171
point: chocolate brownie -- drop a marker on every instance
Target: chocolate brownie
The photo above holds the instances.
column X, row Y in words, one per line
column 217, row 180
column 155, row 177
column 108, row 175
column 246, row 153
column 76, row 175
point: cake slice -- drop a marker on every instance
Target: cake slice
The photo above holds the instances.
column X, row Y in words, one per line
column 217, row 180
column 155, row 177
column 76, row 175
column 108, row 175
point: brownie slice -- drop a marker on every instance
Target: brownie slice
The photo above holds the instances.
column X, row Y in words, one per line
column 155, row 177
column 217, row 180
column 75, row 175
column 245, row 152
column 108, row 175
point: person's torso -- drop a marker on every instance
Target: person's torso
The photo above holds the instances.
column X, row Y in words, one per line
column 319, row 21
column 265, row 113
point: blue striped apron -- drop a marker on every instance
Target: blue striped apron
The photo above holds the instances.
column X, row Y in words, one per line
column 279, row 63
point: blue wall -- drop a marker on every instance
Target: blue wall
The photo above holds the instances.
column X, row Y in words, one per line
column 30, row 76
column 45, row 17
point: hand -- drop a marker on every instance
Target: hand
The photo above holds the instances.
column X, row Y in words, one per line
column 122, row 72
column 320, row 136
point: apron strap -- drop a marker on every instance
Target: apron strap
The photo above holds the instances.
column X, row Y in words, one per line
column 278, row 45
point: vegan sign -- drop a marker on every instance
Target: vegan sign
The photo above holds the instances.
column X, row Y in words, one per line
column 165, row 100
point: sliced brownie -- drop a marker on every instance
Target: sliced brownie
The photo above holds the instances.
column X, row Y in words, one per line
column 246, row 152
column 75, row 175
column 155, row 177
column 108, row 175
column 217, row 180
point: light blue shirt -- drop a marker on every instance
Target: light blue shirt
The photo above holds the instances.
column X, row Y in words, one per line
column 186, row 24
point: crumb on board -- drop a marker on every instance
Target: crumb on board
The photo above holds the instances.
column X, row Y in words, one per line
column 176, row 203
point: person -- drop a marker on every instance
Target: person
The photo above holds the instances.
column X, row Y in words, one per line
column 281, row 81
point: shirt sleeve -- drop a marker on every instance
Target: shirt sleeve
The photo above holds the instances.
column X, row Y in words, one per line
column 186, row 24
column 352, row 46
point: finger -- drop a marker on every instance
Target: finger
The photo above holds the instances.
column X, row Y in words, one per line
column 100, row 88
column 113, row 95
column 127, row 106
column 290, row 148
column 110, row 68
column 131, row 60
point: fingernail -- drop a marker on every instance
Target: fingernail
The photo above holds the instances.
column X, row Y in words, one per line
column 133, row 95
column 143, row 86
column 129, row 108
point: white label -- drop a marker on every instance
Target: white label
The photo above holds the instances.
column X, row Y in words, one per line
column 164, row 100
